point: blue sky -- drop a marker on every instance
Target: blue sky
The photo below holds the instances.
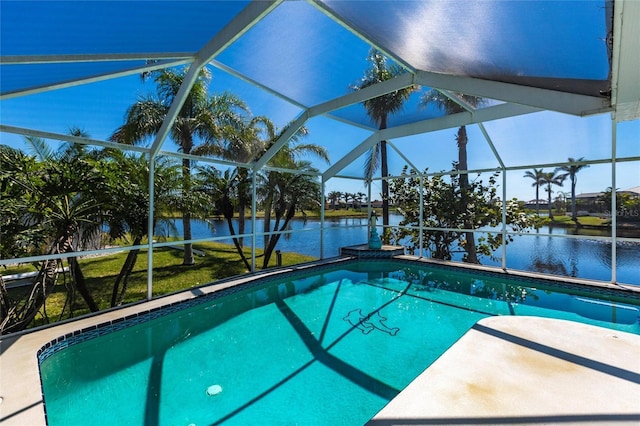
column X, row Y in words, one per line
column 99, row 108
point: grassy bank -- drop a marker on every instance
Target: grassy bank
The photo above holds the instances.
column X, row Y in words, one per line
column 219, row 261
column 581, row 221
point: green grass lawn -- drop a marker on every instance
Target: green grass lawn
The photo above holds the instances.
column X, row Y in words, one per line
column 582, row 220
column 169, row 275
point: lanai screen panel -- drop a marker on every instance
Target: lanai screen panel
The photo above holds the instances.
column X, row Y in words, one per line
column 560, row 45
column 99, row 28
column 300, row 53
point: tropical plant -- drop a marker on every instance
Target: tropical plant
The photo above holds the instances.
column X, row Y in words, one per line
column 456, row 103
column 443, row 208
column 242, row 142
column 571, row 170
column 284, row 193
column 536, row 175
column 548, row 179
column 202, row 120
column 222, row 189
column 19, row 236
column 129, row 190
column 61, row 210
column 378, row 109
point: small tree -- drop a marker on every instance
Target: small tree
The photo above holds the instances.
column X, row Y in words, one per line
column 444, row 208
column 454, row 105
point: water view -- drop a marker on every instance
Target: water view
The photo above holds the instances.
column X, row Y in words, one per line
column 581, row 258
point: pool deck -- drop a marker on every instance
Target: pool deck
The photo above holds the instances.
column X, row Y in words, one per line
column 505, row 370
column 526, row 370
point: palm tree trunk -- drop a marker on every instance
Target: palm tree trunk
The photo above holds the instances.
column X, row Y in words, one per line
column 237, row 242
column 384, row 169
column 188, row 259
column 117, row 295
column 17, row 318
column 537, row 199
column 470, row 245
column 574, row 215
column 81, row 284
column 243, row 177
column 273, row 240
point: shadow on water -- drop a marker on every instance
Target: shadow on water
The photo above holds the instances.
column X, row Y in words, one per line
column 323, row 356
column 152, row 408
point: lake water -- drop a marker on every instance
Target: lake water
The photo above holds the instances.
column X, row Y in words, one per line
column 584, row 258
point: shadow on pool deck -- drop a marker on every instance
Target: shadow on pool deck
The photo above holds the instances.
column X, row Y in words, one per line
column 526, row 370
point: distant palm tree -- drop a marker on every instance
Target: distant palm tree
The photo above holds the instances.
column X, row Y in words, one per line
column 571, row 170
column 349, row 196
column 379, row 110
column 359, row 196
column 201, row 118
column 551, row 178
column 536, row 175
column 334, row 197
column 450, row 106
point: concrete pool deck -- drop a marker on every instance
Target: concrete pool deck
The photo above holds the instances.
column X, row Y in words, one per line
column 505, row 370
column 526, row 370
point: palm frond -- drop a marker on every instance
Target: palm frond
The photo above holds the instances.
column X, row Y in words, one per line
column 39, row 148
column 372, row 161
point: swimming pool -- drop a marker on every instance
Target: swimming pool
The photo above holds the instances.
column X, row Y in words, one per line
column 331, row 345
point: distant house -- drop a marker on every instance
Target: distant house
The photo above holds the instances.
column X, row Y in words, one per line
column 634, row 192
column 593, row 202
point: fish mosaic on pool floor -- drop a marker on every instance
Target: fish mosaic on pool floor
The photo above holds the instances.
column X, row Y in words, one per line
column 368, row 323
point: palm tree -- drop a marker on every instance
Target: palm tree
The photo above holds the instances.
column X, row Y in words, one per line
column 536, row 175
column 286, row 193
column 129, row 191
column 202, row 118
column 551, row 178
column 19, row 236
column 71, row 204
column 451, row 106
column 223, row 188
column 359, row 196
column 334, row 197
column 379, row 109
column 242, row 142
column 349, row 196
column 571, row 170
column 283, row 193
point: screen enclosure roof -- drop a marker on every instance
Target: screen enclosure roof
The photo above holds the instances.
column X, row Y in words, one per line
column 574, row 57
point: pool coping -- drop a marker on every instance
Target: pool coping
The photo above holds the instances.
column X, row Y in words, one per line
column 19, row 352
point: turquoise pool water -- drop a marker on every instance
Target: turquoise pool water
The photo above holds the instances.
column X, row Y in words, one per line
column 328, row 347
